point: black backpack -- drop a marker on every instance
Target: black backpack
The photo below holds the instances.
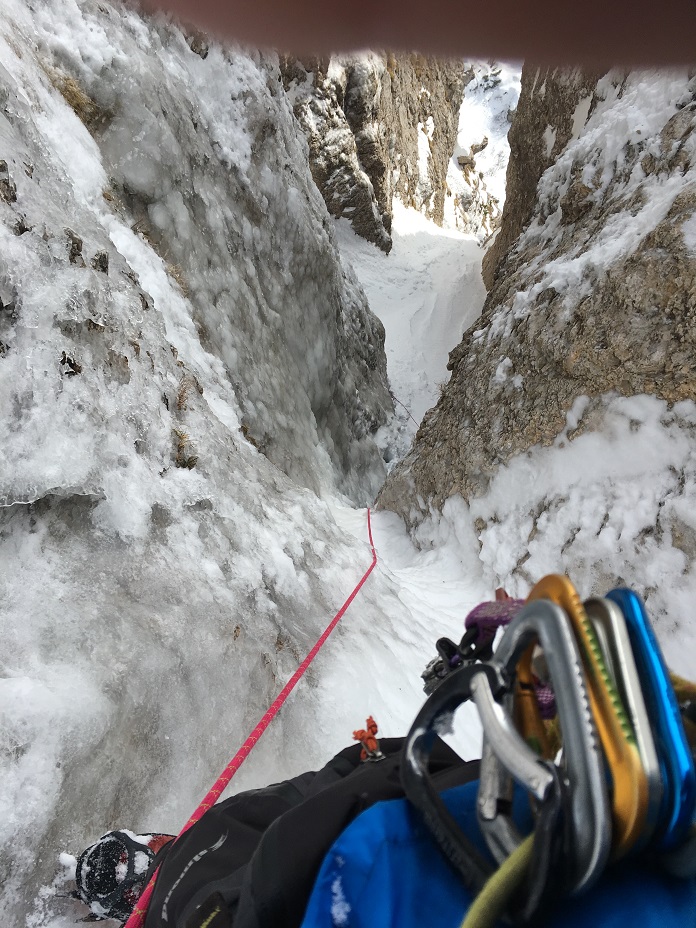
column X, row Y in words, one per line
column 251, row 861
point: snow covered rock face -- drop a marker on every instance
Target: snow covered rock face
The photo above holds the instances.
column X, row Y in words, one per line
column 333, row 155
column 568, row 420
column 476, row 176
column 204, row 162
column 552, row 110
column 152, row 561
column 378, row 125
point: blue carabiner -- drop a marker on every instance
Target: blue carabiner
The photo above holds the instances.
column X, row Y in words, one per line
column 676, row 763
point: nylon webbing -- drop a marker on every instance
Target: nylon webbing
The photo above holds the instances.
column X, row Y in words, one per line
column 491, row 902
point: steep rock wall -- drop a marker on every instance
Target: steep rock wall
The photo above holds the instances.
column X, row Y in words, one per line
column 586, row 340
column 553, row 107
column 378, row 125
column 178, row 339
column 217, row 183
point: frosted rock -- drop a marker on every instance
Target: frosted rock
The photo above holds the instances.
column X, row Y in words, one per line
column 596, row 298
column 544, row 123
column 213, row 185
column 475, row 179
column 8, row 190
column 361, row 115
column 150, row 555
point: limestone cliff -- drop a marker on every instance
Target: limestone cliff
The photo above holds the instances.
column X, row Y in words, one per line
column 378, row 125
column 218, row 185
column 553, row 107
column 183, row 360
column 595, row 301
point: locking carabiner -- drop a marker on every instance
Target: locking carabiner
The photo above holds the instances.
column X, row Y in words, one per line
column 610, row 627
column 629, row 798
column 587, row 829
column 679, row 775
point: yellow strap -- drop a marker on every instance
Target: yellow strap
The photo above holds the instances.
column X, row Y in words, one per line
column 494, row 898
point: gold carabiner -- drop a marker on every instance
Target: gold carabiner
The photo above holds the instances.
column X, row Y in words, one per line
column 630, row 785
column 526, row 708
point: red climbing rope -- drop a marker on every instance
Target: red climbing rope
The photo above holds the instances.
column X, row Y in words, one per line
column 137, row 916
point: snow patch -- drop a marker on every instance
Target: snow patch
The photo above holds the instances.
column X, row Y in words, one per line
column 426, row 292
column 340, row 909
column 588, row 507
column 689, row 232
column 580, row 114
column 549, row 139
column 502, row 371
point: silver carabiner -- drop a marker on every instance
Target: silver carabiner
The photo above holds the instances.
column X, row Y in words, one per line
column 588, row 814
column 507, row 744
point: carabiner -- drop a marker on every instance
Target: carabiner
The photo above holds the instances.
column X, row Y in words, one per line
column 629, row 800
column 505, row 752
column 454, row 690
column 678, row 774
column 471, row 866
column 588, row 834
column 610, row 627
column 508, row 745
column 526, row 707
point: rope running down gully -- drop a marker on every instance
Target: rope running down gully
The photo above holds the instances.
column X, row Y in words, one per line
column 137, row 916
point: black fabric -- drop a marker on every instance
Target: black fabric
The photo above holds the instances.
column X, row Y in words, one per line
column 212, row 914
column 261, row 850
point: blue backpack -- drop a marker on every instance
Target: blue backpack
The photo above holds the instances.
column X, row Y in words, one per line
column 385, row 871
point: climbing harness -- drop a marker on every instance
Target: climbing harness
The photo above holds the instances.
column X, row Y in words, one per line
column 623, row 782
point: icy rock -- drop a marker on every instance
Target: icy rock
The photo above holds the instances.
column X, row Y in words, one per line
column 390, row 101
column 475, row 177
column 552, row 108
column 198, row 42
column 20, row 227
column 69, row 366
column 100, row 262
column 126, row 566
column 7, row 299
column 596, row 299
column 216, row 180
column 333, row 155
column 366, row 120
column 75, row 248
column 8, row 190
column 479, row 146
